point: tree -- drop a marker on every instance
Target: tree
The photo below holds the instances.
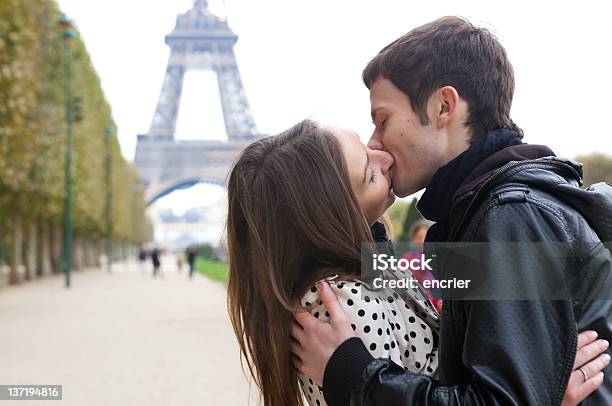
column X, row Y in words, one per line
column 597, row 167
column 412, row 216
column 32, row 144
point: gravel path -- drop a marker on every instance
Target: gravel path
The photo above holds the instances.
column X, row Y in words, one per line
column 122, row 339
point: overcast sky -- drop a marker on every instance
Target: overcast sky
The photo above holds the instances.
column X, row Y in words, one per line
column 304, row 59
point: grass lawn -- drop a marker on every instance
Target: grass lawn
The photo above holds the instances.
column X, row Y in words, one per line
column 215, row 270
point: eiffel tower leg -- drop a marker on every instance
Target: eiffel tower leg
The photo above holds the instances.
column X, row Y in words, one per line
column 164, row 120
column 239, row 122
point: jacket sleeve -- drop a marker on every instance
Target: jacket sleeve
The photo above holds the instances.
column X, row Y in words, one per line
column 515, row 352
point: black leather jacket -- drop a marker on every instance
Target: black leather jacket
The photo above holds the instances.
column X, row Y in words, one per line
column 502, row 352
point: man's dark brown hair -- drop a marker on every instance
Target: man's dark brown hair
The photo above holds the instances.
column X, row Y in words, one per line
column 453, row 52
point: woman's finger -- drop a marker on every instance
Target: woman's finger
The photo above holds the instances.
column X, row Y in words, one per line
column 594, row 367
column 590, row 352
column 297, row 332
column 578, row 389
column 296, row 349
column 586, row 337
column 297, row 363
column 330, row 301
column 304, row 319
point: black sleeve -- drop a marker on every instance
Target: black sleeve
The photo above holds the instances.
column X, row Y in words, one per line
column 517, row 352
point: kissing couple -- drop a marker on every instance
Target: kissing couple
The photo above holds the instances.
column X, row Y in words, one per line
column 301, row 204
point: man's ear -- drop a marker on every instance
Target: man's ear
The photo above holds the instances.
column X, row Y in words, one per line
column 446, row 101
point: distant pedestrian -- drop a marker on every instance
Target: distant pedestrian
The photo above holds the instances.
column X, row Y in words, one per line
column 191, row 257
column 142, row 257
column 155, row 259
column 179, row 261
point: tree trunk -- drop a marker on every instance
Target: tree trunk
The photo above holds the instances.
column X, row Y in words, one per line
column 56, row 248
column 77, row 254
column 32, row 237
column 45, row 248
column 99, row 249
column 16, row 250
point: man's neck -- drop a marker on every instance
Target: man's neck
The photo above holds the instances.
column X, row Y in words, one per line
column 458, row 142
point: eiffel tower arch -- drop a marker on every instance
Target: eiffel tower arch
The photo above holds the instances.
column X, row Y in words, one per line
column 200, row 40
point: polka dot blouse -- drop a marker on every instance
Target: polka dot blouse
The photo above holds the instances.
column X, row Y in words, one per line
column 405, row 332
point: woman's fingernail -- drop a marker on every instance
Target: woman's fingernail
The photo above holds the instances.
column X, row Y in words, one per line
column 607, row 358
column 593, row 334
column 604, row 344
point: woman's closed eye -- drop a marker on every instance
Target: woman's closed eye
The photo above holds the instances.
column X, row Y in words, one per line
column 373, row 175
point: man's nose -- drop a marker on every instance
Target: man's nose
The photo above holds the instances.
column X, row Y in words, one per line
column 375, row 141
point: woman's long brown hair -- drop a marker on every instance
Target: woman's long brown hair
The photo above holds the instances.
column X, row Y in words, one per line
column 293, row 220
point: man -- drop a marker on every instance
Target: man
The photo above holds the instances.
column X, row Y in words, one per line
column 191, row 258
column 440, row 99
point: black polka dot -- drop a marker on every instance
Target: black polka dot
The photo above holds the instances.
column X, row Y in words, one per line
column 354, row 327
column 429, row 370
column 310, row 389
column 372, row 346
column 307, row 304
column 397, row 326
column 358, row 284
column 313, row 289
column 406, row 353
column 413, row 348
column 380, row 331
column 374, row 316
column 394, row 312
column 340, row 285
column 377, row 301
column 318, row 402
column 417, row 364
column 390, row 299
column 366, row 329
column 316, row 315
column 349, row 302
column 423, row 327
column 383, row 315
column 386, row 346
column 367, row 299
column 326, row 314
column 393, row 344
column 412, row 334
column 361, row 313
column 388, row 332
column 406, row 337
column 411, row 319
column 355, row 291
column 427, row 341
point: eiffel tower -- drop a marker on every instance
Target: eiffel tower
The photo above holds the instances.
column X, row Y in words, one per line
column 200, row 40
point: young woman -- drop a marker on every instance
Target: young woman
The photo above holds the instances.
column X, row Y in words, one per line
column 300, row 205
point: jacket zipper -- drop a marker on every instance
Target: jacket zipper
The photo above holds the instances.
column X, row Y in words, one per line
column 500, row 171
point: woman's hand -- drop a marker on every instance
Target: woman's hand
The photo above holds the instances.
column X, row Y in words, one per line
column 314, row 341
column 588, row 366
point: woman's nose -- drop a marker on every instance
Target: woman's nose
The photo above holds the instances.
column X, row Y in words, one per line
column 384, row 159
